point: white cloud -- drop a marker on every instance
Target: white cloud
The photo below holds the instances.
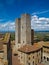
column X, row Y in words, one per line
column 42, row 12
column 8, row 26
column 37, row 23
column 41, row 23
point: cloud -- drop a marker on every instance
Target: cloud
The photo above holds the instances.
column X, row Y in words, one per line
column 8, row 26
column 42, row 12
column 39, row 23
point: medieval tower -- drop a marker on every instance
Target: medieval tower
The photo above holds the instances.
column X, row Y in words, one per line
column 23, row 30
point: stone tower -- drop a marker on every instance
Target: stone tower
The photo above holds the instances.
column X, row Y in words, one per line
column 23, row 30
column 18, row 32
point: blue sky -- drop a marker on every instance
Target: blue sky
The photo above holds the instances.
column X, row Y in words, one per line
column 12, row 9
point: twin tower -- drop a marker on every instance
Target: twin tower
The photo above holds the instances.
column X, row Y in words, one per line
column 23, row 30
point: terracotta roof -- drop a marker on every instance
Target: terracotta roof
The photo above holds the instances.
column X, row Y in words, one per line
column 44, row 43
column 30, row 48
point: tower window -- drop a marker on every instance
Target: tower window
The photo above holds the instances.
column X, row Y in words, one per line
column 23, row 41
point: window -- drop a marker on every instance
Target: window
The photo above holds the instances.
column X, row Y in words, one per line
column 15, row 54
column 47, row 59
column 41, row 58
column 44, row 57
column 33, row 56
column 37, row 54
column 23, row 41
column 29, row 58
column 33, row 63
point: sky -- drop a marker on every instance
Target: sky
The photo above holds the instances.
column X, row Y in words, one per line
column 12, row 9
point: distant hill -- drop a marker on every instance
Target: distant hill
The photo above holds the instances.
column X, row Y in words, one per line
column 41, row 31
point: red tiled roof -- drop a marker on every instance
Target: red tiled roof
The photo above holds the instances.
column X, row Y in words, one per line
column 30, row 48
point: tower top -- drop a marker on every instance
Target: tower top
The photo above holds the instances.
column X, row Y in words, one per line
column 25, row 14
column 18, row 18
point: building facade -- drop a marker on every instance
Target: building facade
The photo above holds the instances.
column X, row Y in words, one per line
column 6, row 51
column 30, row 54
column 1, row 53
column 46, row 52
